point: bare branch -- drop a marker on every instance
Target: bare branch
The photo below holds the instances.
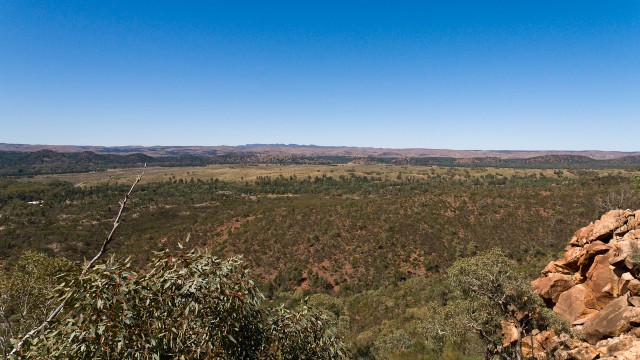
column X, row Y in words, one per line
column 103, row 249
column 116, row 222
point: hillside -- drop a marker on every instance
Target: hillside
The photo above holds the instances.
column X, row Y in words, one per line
column 324, row 231
column 46, row 161
column 315, row 150
column 371, row 245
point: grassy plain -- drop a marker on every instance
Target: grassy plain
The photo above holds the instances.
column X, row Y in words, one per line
column 252, row 172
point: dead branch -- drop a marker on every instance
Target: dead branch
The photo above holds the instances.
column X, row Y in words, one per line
column 103, row 249
column 116, row 222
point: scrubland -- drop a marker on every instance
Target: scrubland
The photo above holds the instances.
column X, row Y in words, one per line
column 368, row 243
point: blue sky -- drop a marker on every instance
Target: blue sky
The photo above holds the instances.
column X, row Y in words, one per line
column 528, row 75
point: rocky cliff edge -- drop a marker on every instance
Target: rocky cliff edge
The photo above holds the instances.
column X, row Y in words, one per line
column 596, row 288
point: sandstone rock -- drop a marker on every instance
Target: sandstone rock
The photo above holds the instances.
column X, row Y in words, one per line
column 591, row 251
column 626, row 251
column 634, row 301
column 622, row 347
column 556, row 267
column 621, row 249
column 602, row 281
column 571, row 258
column 580, row 237
column 602, row 229
column 632, row 235
column 579, row 322
column 583, row 353
column 548, row 345
column 576, row 303
column 551, row 286
column 594, row 287
column 625, row 281
column 614, row 319
column 635, row 221
column 539, row 344
column 608, row 224
column 509, row 333
column 629, row 225
column 631, row 353
column 615, row 344
column 634, row 287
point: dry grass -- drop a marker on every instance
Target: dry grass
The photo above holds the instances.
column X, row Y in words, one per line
column 251, row 172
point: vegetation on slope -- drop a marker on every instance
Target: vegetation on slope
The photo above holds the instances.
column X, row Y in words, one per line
column 14, row 163
column 322, row 233
column 369, row 251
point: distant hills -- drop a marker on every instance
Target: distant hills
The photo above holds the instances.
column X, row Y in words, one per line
column 313, row 150
column 21, row 160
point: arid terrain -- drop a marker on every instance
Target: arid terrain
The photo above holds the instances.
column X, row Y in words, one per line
column 314, row 150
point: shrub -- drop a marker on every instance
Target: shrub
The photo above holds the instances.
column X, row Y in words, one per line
column 191, row 305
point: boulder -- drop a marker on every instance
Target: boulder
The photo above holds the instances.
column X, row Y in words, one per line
column 626, row 251
column 571, row 258
column 551, row 286
column 634, row 301
column 632, row 235
column 627, row 282
column 556, row 267
column 576, row 303
column 595, row 286
column 580, row 237
column 630, row 224
column 620, row 250
column 633, row 286
column 583, row 352
column 609, row 223
column 591, row 251
column 509, row 333
column 614, row 319
column 539, row 344
column 624, row 347
column 602, row 281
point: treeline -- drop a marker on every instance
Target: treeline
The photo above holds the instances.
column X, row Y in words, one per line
column 52, row 162
column 13, row 163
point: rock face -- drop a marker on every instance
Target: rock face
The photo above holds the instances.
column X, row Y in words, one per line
column 596, row 288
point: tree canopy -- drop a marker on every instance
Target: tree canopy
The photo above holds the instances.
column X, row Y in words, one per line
column 187, row 306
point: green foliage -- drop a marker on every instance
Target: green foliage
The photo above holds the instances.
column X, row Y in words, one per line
column 374, row 247
column 490, row 292
column 635, row 180
column 26, row 291
column 302, row 334
column 49, row 162
column 391, row 341
column 441, row 327
column 190, row 305
column 347, row 233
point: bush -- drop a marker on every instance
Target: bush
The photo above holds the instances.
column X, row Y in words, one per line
column 26, row 291
column 192, row 305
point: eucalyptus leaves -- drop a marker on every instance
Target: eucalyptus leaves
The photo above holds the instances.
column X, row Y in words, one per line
column 186, row 306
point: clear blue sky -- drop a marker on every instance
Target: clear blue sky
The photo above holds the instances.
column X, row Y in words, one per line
column 452, row 74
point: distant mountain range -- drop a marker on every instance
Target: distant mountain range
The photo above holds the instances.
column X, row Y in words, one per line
column 47, row 161
column 314, row 151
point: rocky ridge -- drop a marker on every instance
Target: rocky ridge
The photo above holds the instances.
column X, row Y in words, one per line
column 595, row 286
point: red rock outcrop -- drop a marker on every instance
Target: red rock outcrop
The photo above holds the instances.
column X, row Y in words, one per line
column 596, row 288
